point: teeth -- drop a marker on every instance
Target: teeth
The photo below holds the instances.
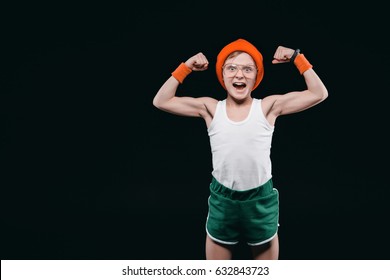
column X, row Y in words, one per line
column 239, row 84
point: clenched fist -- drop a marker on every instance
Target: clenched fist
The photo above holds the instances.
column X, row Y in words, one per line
column 198, row 62
column 282, row 55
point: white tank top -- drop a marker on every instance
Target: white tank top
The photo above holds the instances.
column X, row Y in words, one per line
column 241, row 150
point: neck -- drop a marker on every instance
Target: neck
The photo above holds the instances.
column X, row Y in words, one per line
column 232, row 102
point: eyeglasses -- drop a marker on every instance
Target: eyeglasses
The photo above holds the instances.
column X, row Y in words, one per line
column 232, row 69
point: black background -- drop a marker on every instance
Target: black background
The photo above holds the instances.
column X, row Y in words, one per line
column 91, row 170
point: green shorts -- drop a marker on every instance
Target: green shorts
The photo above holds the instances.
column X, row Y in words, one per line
column 250, row 215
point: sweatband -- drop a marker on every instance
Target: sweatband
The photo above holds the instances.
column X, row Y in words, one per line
column 181, row 72
column 302, row 63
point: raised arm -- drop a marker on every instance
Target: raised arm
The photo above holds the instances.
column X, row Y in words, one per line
column 295, row 101
column 167, row 100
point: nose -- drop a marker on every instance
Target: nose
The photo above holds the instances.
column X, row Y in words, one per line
column 239, row 75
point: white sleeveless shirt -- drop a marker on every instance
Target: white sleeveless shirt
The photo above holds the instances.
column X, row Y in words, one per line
column 241, row 150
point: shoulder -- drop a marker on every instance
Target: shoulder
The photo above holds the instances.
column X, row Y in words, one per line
column 208, row 100
column 267, row 106
column 268, row 102
column 210, row 104
column 208, row 108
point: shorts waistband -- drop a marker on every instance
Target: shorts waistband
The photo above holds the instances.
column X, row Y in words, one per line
column 256, row 192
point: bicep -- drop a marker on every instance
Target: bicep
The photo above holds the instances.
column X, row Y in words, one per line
column 185, row 106
column 294, row 102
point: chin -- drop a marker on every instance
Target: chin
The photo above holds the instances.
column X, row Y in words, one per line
column 242, row 94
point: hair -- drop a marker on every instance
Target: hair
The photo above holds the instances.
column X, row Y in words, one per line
column 234, row 54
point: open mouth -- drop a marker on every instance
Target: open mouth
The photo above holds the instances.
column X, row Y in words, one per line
column 239, row 85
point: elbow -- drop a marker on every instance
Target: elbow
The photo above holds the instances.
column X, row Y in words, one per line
column 159, row 104
column 156, row 103
column 321, row 97
column 321, row 94
column 324, row 94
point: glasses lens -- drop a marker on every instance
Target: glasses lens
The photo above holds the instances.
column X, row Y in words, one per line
column 231, row 69
column 248, row 69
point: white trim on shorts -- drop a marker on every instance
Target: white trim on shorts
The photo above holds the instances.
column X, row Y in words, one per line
column 220, row 241
column 263, row 242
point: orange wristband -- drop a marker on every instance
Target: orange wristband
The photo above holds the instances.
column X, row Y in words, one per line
column 302, row 63
column 181, row 72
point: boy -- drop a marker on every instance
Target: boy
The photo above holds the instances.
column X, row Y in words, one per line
column 242, row 202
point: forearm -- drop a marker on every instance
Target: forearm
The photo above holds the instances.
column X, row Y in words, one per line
column 169, row 88
column 314, row 84
column 166, row 92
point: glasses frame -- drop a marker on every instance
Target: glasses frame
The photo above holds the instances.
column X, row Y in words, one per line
column 239, row 67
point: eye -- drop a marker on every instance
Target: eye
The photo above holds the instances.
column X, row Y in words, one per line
column 248, row 69
column 232, row 68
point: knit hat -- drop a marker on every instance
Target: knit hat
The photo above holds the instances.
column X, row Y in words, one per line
column 245, row 46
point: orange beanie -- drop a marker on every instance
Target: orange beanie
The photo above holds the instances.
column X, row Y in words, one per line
column 245, row 46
